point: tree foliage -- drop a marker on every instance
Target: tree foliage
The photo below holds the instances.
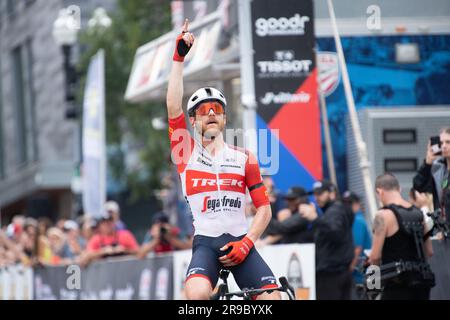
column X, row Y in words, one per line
column 134, row 23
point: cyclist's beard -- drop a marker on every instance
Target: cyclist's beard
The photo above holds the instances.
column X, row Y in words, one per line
column 212, row 133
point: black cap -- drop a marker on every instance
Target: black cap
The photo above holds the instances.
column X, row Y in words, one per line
column 323, row 185
column 350, row 197
column 295, row 193
column 160, row 217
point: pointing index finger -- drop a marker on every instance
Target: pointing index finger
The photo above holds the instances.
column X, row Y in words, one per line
column 185, row 25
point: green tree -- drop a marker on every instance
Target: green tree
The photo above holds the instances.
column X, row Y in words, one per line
column 134, row 23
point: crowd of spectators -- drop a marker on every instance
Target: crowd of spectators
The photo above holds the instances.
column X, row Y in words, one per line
column 41, row 242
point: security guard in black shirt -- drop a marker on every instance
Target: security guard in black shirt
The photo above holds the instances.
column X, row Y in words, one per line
column 398, row 246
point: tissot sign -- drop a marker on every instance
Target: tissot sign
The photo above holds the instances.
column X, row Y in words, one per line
column 286, row 86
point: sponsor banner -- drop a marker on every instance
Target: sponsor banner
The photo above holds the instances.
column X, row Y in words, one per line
column 94, row 158
column 148, row 279
column 16, row 283
column 297, row 263
column 294, row 261
column 181, row 260
column 285, row 79
column 283, row 43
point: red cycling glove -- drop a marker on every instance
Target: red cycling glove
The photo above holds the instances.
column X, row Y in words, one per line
column 240, row 249
column 181, row 48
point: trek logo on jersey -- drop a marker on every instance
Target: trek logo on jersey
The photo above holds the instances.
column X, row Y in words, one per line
column 200, row 181
column 210, row 204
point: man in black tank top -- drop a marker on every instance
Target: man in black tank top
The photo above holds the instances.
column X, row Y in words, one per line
column 398, row 232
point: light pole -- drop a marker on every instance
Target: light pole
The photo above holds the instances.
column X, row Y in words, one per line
column 65, row 30
column 100, row 20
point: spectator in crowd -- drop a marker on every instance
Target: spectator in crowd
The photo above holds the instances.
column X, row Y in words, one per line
column 15, row 228
column 56, row 240
column 434, row 174
column 163, row 237
column 88, row 228
column 29, row 241
column 276, row 201
column 60, row 223
column 74, row 244
column 294, row 228
column 10, row 252
column 362, row 239
column 398, row 236
column 114, row 210
column 423, row 201
column 44, row 251
column 109, row 241
column 44, row 223
column 334, row 242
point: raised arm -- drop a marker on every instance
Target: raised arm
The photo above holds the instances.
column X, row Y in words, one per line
column 174, row 97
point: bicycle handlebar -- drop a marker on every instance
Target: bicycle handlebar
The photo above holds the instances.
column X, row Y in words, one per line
column 248, row 293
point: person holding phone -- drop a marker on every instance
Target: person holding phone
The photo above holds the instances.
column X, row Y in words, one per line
column 434, row 176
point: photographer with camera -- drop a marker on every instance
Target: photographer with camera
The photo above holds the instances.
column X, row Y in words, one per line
column 163, row 237
column 110, row 242
column 398, row 246
column 434, row 175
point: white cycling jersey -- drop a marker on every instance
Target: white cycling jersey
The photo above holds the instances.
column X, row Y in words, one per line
column 215, row 186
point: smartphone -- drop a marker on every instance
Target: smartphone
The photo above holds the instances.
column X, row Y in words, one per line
column 435, row 143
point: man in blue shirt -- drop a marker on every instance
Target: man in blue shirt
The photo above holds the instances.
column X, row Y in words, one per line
column 362, row 238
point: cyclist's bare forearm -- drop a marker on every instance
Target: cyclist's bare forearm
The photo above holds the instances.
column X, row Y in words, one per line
column 174, row 97
column 260, row 222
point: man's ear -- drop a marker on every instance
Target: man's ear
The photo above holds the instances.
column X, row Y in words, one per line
column 192, row 121
column 379, row 191
column 224, row 119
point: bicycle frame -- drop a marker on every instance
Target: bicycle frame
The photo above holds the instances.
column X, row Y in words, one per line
column 223, row 293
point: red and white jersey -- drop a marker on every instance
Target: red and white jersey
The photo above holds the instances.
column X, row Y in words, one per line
column 215, row 186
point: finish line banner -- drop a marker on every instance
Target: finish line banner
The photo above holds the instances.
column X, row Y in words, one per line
column 285, row 75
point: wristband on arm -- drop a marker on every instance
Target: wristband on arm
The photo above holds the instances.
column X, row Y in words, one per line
column 181, row 48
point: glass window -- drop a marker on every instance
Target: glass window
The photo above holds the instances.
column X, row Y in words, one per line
column 22, row 64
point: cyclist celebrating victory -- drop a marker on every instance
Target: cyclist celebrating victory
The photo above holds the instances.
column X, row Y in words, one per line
column 214, row 177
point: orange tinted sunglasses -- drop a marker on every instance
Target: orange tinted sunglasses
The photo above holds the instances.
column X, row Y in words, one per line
column 204, row 108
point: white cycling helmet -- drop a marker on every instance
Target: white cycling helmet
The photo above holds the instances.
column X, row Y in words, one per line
column 204, row 95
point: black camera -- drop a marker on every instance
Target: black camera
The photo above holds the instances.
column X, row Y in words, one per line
column 163, row 230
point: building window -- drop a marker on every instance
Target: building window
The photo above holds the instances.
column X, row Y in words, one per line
column 22, row 64
column 11, row 7
column 399, row 136
column 400, row 165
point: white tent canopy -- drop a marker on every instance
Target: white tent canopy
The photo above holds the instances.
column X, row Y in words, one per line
column 204, row 64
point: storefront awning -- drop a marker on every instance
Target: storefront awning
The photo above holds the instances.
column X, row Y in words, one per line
column 204, row 64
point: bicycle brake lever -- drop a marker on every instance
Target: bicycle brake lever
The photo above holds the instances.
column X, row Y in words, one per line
column 286, row 286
